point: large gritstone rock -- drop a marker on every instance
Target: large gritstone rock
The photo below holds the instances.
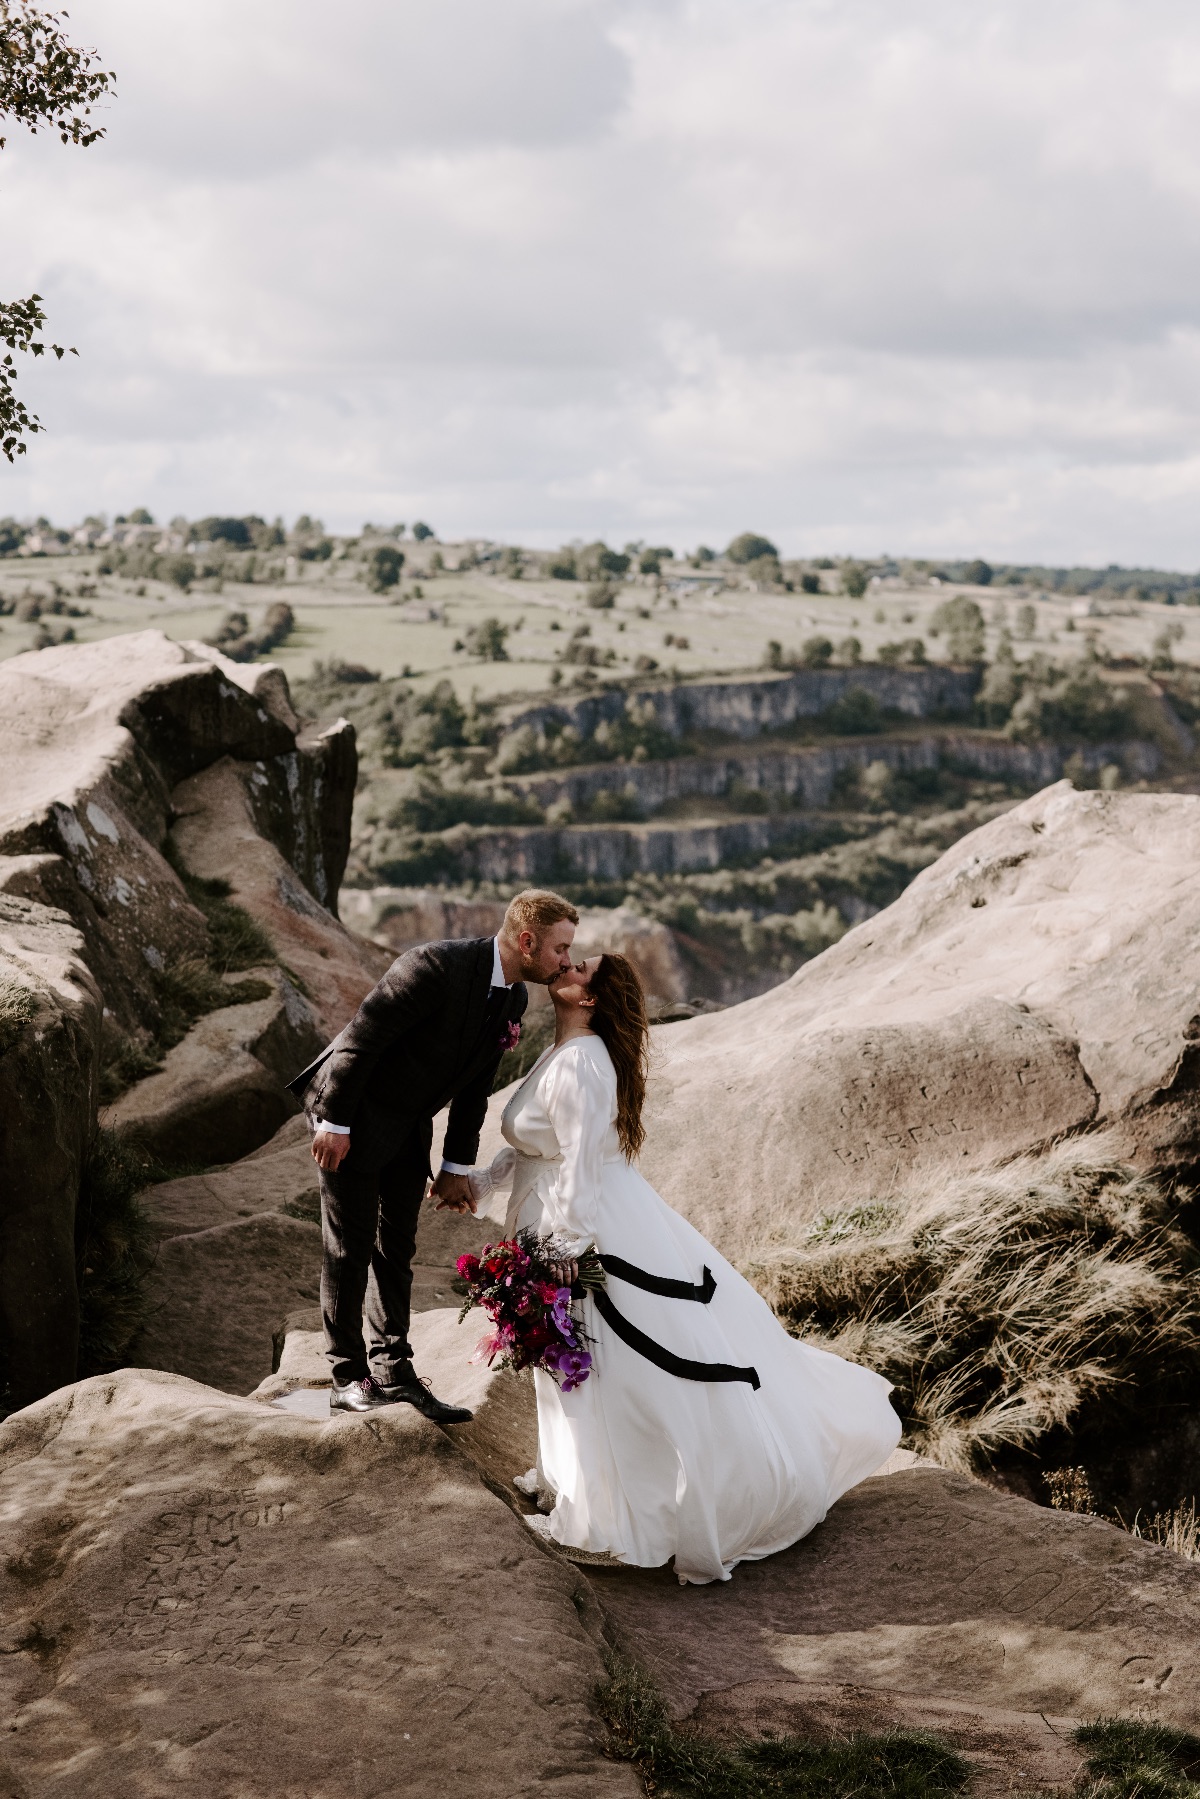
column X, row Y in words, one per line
column 1000, row 1624
column 204, row 1596
column 49, row 1052
column 97, row 740
column 94, row 737
column 216, row 1298
column 1038, row 978
column 501, row 1438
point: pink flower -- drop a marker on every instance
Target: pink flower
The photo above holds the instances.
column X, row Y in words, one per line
column 510, row 1036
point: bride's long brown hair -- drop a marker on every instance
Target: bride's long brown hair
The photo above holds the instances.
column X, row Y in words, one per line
column 619, row 1020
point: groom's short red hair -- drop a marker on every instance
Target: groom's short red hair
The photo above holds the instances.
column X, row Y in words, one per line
column 536, row 910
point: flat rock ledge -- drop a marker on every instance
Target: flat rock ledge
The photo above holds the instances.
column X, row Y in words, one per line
column 207, row 1596
column 926, row 1600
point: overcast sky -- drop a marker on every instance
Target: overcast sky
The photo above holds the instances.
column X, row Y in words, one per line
column 867, row 275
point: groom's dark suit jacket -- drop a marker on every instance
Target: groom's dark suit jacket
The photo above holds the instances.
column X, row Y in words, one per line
column 424, row 1037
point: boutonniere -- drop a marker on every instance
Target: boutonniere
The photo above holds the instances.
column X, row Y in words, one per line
column 510, row 1036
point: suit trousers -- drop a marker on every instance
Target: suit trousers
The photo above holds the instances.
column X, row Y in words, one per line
column 369, row 1232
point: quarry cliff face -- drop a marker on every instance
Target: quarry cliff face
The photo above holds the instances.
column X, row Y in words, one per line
column 145, row 783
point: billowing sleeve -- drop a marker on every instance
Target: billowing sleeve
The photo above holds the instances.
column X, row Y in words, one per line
column 578, row 1095
column 488, row 1183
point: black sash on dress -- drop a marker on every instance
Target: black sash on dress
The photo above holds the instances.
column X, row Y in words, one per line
column 657, row 1283
column 654, row 1352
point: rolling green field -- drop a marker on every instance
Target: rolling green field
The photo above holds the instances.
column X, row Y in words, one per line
column 336, row 617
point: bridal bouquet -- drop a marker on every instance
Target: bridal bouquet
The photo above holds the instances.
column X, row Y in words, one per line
column 516, row 1285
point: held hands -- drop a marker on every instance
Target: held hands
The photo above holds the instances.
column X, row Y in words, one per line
column 453, row 1193
column 330, row 1149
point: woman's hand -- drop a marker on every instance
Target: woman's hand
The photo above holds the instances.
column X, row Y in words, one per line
column 564, row 1274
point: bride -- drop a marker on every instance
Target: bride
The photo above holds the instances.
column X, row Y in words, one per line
column 705, row 1435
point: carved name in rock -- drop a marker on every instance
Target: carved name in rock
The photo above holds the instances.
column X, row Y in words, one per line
column 195, row 1583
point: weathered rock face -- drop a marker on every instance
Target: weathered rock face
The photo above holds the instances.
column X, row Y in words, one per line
column 98, row 738
column 204, row 1595
column 222, row 1089
column 49, row 1054
column 217, row 832
column 1032, row 981
column 216, row 1298
column 103, row 745
column 807, row 772
column 538, row 855
column 94, row 737
column 501, row 1439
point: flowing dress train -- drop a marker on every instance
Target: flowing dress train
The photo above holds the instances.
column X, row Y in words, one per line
column 717, row 1464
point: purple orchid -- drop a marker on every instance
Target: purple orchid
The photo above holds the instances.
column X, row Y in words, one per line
column 561, row 1309
column 510, row 1036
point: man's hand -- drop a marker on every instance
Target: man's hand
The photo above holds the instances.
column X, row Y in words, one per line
column 330, row 1148
column 453, row 1193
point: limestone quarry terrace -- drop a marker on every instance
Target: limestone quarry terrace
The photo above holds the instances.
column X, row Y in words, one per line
column 956, row 1144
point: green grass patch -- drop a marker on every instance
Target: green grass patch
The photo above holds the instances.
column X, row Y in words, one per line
column 236, row 940
column 185, row 993
column 678, row 1765
column 1126, row 1760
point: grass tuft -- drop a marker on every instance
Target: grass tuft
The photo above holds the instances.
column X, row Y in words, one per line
column 678, row 1765
column 114, row 1248
column 193, row 987
column 236, row 939
column 1127, row 1760
column 17, row 1009
column 1178, row 1530
column 1006, row 1303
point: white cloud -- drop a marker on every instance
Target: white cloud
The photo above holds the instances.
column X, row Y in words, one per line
column 863, row 276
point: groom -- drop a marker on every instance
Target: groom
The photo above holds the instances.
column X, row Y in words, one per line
column 431, row 1032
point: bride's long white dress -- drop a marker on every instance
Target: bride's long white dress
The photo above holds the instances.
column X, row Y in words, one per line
column 647, row 1465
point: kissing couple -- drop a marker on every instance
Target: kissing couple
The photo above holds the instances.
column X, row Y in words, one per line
column 705, row 1436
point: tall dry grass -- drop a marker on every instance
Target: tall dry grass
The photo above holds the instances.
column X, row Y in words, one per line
column 1003, row 1303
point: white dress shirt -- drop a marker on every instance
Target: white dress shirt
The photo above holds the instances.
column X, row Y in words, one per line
column 498, row 980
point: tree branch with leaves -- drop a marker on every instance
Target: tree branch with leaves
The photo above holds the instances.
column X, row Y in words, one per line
column 45, row 82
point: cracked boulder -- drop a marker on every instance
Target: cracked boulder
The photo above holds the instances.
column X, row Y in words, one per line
column 97, row 741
